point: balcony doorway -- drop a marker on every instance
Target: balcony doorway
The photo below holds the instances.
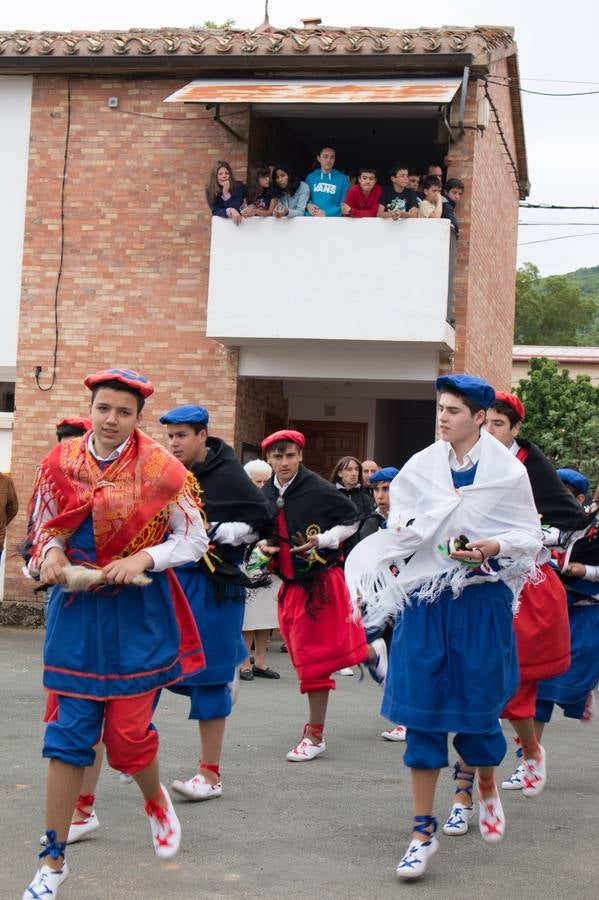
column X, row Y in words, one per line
column 396, row 134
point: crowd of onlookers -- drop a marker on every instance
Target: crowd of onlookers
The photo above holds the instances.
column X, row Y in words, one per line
column 278, row 191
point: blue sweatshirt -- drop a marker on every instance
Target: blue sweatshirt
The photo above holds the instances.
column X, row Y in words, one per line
column 327, row 190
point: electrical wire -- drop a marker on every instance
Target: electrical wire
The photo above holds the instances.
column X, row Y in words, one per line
column 61, row 260
column 563, row 237
column 500, row 130
column 130, row 112
column 558, row 224
column 525, row 205
column 546, row 93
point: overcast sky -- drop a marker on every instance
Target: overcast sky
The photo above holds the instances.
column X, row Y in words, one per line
column 556, row 40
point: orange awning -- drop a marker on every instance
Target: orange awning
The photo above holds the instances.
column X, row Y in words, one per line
column 256, row 91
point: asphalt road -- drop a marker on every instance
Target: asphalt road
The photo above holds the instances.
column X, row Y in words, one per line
column 332, row 829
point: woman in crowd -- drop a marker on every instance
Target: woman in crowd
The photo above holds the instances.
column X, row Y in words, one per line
column 347, row 477
column 225, row 195
column 291, row 193
column 261, row 605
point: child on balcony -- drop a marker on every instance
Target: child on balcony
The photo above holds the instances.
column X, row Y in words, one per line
column 261, row 196
column 291, row 193
column 328, row 186
column 361, row 201
column 454, row 191
column 413, row 179
column 225, row 195
column 431, row 204
column 398, row 201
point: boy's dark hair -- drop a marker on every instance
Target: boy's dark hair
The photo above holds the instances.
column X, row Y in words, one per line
column 397, row 166
column 472, row 406
column 114, row 385
column 254, row 187
column 453, row 183
column 504, row 409
column 430, row 181
column 281, row 447
column 68, row 431
column 413, row 172
column 370, row 169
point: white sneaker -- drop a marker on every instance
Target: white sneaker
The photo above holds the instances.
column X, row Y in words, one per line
column 197, row 788
column 459, row 818
column 516, row 781
column 535, row 775
column 415, row 860
column 378, row 667
column 78, row 829
column 306, row 750
column 45, row 883
column 395, row 734
column 491, row 819
column 165, row 827
column 346, row 671
column 125, row 779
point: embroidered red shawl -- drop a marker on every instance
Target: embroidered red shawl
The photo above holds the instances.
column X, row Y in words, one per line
column 128, row 500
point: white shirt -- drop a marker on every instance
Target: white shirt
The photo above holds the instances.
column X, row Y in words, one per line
column 186, row 541
column 328, row 540
column 470, row 459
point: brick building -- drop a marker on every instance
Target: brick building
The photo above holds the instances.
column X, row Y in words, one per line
column 336, row 326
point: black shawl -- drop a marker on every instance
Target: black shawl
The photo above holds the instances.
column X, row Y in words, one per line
column 555, row 504
column 228, row 495
column 312, row 505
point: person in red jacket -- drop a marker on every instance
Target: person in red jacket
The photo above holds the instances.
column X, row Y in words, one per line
column 362, row 199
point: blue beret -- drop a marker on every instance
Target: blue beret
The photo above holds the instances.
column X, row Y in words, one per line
column 185, row 415
column 386, row 474
column 476, row 389
column 578, row 481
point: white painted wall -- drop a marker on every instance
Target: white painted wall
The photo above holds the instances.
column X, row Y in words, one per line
column 15, row 113
column 329, row 280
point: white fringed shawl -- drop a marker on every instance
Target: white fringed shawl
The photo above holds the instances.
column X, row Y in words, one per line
column 498, row 506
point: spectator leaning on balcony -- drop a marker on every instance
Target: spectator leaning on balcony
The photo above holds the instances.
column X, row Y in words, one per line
column 413, row 179
column 260, row 195
column 225, row 195
column 361, row 201
column 454, row 191
column 431, row 204
column 291, row 193
column 398, row 201
column 328, row 186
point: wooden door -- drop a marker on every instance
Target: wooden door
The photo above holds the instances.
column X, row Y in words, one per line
column 327, row 442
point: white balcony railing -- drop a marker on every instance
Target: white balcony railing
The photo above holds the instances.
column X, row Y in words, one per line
column 335, row 292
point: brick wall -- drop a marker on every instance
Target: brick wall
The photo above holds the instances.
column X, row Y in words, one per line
column 488, row 329
column 134, row 282
column 257, row 401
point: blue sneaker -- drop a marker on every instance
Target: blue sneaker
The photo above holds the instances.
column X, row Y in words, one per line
column 378, row 666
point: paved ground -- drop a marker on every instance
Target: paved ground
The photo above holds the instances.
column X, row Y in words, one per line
column 331, row 829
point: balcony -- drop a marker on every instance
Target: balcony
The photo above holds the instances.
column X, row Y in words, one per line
column 333, row 298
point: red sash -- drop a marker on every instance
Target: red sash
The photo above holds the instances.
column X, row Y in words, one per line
column 128, row 500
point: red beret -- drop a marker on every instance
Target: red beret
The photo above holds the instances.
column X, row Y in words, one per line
column 294, row 437
column 513, row 401
column 132, row 379
column 76, row 422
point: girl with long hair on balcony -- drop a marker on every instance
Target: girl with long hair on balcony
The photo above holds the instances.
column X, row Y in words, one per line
column 226, row 196
column 260, row 195
column 291, row 192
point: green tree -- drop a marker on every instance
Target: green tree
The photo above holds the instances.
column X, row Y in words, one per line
column 562, row 416
column 228, row 23
column 551, row 311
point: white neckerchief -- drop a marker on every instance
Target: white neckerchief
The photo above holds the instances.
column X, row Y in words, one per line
column 426, row 510
column 470, row 459
column 514, row 448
